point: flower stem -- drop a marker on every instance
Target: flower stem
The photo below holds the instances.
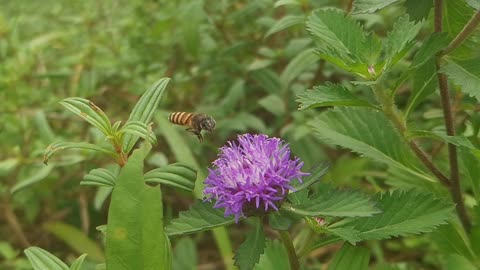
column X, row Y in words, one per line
column 292, row 255
column 448, row 115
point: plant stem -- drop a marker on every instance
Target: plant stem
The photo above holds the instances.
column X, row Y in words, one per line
column 292, row 256
column 466, row 31
column 455, row 190
column 392, row 113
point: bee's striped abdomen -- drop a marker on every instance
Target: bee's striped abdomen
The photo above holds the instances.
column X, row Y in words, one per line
column 181, row 118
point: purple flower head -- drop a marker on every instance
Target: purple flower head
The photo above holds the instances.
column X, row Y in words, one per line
column 252, row 176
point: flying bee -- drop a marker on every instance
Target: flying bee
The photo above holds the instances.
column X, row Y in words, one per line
column 195, row 122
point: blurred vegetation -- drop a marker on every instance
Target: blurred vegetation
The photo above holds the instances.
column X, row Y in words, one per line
column 230, row 59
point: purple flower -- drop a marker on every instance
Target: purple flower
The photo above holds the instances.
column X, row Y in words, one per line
column 252, row 176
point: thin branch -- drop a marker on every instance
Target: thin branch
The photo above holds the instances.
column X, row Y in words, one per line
column 292, row 256
column 466, row 31
column 428, row 163
column 448, row 116
column 15, row 225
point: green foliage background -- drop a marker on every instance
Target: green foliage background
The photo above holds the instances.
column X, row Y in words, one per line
column 246, row 63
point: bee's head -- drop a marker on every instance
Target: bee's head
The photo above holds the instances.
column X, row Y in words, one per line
column 208, row 124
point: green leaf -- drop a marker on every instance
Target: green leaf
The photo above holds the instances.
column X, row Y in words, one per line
column 297, row 66
column 451, row 239
column 99, row 177
column 54, row 147
column 456, row 140
column 43, row 127
column 329, row 95
column 370, row 6
column 456, row 15
column 274, row 257
column 36, row 177
column 368, row 133
column 457, row 262
column 200, row 217
column 474, row 4
column 77, row 264
column 185, row 255
column 400, row 40
column 135, row 237
column 284, row 23
column 469, row 161
column 434, row 44
column 335, row 203
column 90, row 112
column 280, row 3
column 144, row 109
column 418, row 10
column 315, row 176
column 425, row 83
column 403, row 213
column 273, row 104
column 248, row 254
column 350, row 257
column 346, row 233
column 464, row 73
column 177, row 175
column 42, row 259
column 268, row 80
column 75, row 239
column 139, row 129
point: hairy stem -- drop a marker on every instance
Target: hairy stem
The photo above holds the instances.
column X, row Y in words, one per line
column 398, row 121
column 292, row 256
column 448, row 116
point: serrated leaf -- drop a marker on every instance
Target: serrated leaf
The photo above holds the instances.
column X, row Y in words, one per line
column 36, row 177
column 346, row 233
column 464, row 73
column 370, row 6
column 280, row 221
column 451, row 239
column 350, row 257
column 284, row 23
column 248, row 254
column 434, row 44
column 77, row 264
column 418, row 10
column 139, row 129
column 425, row 83
column 335, row 203
column 400, row 40
column 369, row 133
column 200, row 217
column 274, row 257
column 314, row 176
column 42, row 259
column 329, row 95
column 99, row 177
column 456, row 140
column 177, row 175
column 458, row 13
column 298, row 65
column 90, row 112
column 75, row 239
column 273, row 104
column 54, row 147
column 403, row 213
column 144, row 109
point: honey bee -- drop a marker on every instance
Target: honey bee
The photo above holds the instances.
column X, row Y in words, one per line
column 195, row 122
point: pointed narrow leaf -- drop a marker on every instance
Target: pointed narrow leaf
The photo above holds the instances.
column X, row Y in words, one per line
column 284, row 23
column 434, row 44
column 36, row 177
column 274, row 104
column 90, row 112
column 464, row 73
column 335, row 203
column 42, row 259
column 144, row 109
column 329, row 95
column 403, row 213
column 54, row 147
column 139, row 129
column 248, row 254
column 99, row 177
column 177, row 175
column 456, row 140
column 267, row 79
column 399, row 40
column 77, row 264
column 425, row 83
column 185, row 255
column 370, row 6
column 200, row 217
column 369, row 133
column 280, row 3
column 298, row 65
column 350, row 257
column 315, row 176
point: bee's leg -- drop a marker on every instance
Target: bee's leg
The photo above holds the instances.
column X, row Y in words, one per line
column 199, row 136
